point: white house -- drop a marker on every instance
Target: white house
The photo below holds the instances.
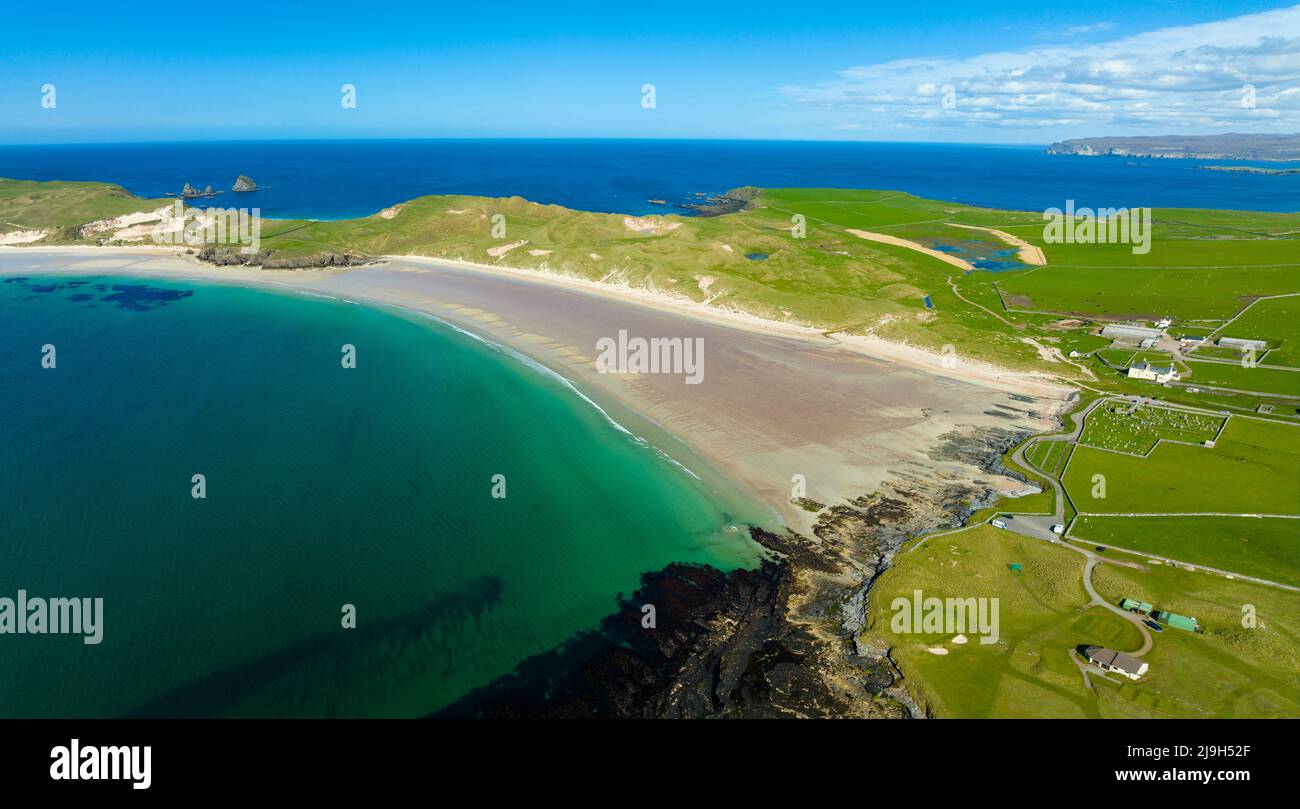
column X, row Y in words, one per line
column 1118, row 662
column 1160, row 373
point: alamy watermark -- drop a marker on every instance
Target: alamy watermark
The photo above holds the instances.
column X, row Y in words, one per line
column 53, row 616
column 946, row 616
column 77, row 762
column 653, row 355
column 195, row 227
column 1100, row 226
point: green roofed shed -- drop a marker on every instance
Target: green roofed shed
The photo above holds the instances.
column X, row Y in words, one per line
column 1175, row 620
column 1133, row 605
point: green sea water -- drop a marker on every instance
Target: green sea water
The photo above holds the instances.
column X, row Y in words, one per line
column 325, row 486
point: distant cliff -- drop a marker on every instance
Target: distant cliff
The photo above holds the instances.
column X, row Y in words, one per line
column 1201, row 147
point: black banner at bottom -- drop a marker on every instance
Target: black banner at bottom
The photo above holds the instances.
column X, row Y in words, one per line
column 332, row 758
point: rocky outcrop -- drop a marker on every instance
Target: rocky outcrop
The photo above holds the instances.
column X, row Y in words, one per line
column 244, row 184
column 232, row 256
column 317, row 261
column 737, row 199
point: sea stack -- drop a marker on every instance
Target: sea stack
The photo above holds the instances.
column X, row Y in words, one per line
column 244, row 183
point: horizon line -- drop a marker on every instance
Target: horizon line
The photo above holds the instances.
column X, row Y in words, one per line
column 522, row 138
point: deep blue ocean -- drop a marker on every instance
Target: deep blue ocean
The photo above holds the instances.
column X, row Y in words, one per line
column 343, row 179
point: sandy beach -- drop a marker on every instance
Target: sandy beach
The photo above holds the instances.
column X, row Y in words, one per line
column 775, row 401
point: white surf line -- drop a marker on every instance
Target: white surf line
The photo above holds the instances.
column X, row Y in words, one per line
column 563, row 380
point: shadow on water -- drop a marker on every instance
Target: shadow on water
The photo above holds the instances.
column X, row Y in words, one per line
column 349, row 656
column 132, row 297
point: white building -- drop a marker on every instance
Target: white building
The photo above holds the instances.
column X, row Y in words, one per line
column 1159, row 373
column 1242, row 344
column 1129, row 330
column 1118, row 662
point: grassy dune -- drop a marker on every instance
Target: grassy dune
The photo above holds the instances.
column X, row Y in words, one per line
column 61, row 206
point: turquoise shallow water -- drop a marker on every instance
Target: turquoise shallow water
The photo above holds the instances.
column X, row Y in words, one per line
column 325, row 486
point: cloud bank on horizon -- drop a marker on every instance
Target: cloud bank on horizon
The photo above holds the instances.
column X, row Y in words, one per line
column 1240, row 74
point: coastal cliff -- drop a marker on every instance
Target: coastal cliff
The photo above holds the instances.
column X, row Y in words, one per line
column 1197, row 147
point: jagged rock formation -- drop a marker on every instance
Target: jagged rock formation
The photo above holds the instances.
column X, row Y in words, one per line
column 232, row 256
column 244, row 184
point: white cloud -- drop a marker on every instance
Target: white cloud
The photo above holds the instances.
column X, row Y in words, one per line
column 1185, row 79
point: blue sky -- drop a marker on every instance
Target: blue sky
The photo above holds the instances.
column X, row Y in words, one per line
column 1004, row 72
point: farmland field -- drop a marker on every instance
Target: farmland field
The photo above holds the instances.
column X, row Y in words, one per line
column 1049, row 456
column 1237, row 377
column 1252, row 469
column 1268, row 548
column 1276, row 320
column 1200, row 267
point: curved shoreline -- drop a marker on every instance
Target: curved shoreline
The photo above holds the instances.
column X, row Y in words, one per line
column 779, row 400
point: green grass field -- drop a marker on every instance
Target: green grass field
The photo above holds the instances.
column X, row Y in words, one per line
column 1202, row 265
column 1136, row 429
column 1276, row 320
column 1049, row 456
column 1228, row 671
column 1267, row 548
column 1237, row 377
column 1252, row 469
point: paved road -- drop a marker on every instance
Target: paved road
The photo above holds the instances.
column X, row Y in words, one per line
column 1019, row 457
column 1040, row 527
